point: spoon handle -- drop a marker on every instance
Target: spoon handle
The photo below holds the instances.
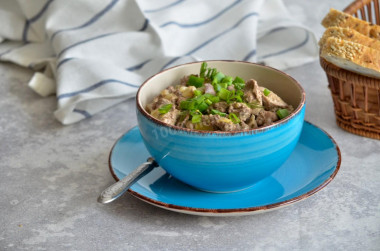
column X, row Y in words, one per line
column 114, row 191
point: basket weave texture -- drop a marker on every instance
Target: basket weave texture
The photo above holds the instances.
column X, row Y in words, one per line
column 356, row 98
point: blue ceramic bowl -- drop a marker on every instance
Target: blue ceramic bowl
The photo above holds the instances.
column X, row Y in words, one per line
column 222, row 161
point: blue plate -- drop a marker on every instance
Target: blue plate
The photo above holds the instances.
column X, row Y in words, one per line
column 313, row 164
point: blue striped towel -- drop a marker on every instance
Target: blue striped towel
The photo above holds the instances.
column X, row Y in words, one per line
column 95, row 54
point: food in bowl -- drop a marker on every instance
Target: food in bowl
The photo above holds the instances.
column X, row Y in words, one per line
column 221, row 161
column 212, row 101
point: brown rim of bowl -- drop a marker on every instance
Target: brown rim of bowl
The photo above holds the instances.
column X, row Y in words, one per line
column 236, row 210
column 264, row 128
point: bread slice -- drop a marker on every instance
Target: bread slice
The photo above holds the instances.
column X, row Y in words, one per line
column 350, row 35
column 352, row 56
column 341, row 19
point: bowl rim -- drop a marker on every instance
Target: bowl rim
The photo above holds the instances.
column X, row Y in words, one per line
column 255, row 130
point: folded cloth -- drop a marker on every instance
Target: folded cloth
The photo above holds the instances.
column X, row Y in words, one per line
column 95, row 54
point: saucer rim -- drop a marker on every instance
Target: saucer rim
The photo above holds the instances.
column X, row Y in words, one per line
column 232, row 211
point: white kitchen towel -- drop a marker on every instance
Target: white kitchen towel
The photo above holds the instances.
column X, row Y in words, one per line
column 95, row 54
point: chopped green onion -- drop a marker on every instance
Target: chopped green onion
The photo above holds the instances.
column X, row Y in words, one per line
column 195, row 81
column 216, row 112
column 239, row 93
column 211, row 73
column 197, row 93
column 196, row 118
column 238, row 80
column 235, row 119
column 231, row 97
column 238, row 98
column 227, row 80
column 208, row 101
column 235, row 97
column 217, row 87
column 238, row 83
column 223, row 85
column 165, row 108
column 217, row 77
column 200, row 102
column 214, row 99
column 202, row 107
column 224, row 94
column 199, row 99
column 282, row 113
column 239, row 86
column 187, row 105
column 266, row 92
column 203, row 70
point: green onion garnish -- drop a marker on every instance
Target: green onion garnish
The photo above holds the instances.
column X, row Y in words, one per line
column 211, row 72
column 238, row 80
column 240, row 93
column 187, row 105
column 217, row 77
column 203, row 70
column 214, row 99
column 199, row 99
column 231, row 97
column 227, row 80
column 196, row 118
column 239, row 86
column 235, row 119
column 165, row 108
column 202, row 107
column 200, row 103
column 266, row 92
column 282, row 113
column 223, row 85
column 235, row 97
column 216, row 112
column 224, row 94
column 217, row 87
column 238, row 98
column 238, row 83
column 195, row 81
column 197, row 93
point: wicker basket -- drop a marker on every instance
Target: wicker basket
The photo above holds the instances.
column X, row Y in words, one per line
column 356, row 98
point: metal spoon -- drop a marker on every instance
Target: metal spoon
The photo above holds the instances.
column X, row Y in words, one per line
column 114, row 191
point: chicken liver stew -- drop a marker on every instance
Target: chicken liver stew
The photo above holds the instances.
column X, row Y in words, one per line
column 212, row 101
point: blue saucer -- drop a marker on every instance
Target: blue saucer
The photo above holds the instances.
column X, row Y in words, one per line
column 313, row 164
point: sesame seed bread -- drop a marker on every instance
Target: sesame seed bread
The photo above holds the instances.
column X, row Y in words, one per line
column 351, row 56
column 341, row 19
column 349, row 35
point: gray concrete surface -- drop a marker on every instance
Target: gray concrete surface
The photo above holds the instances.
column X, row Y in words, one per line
column 51, row 175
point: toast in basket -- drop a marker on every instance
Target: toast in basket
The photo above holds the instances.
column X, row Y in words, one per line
column 341, row 19
column 352, row 56
column 349, row 35
column 351, row 43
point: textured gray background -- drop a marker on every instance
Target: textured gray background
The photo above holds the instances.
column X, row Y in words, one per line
column 51, row 175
